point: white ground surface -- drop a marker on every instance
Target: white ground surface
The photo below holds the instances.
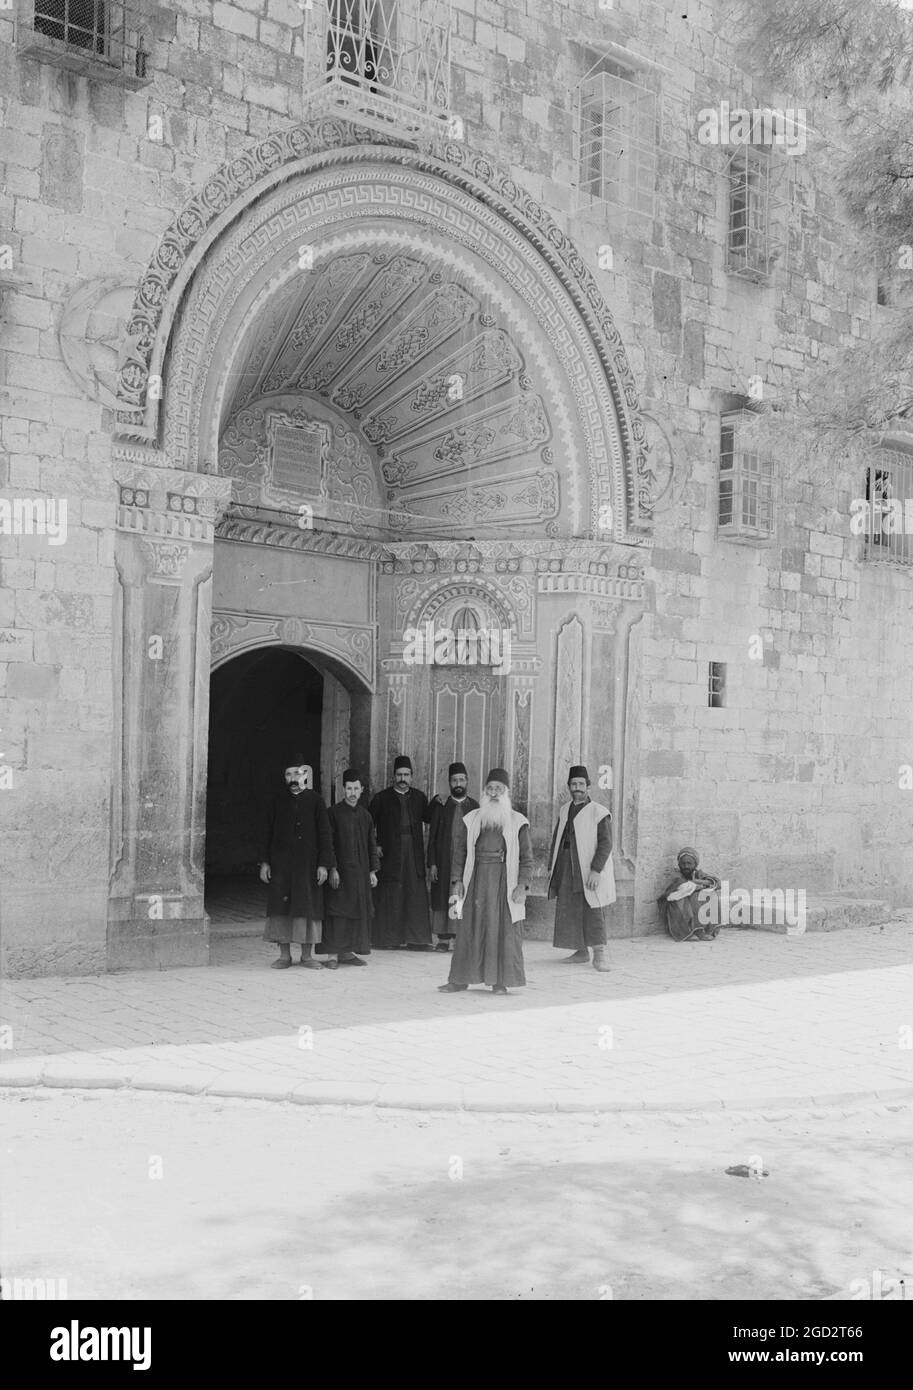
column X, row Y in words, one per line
column 278, row 1201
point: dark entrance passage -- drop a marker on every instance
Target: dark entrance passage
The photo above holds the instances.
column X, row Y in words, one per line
column 265, row 710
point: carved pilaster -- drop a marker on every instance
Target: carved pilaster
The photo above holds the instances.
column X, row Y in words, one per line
column 163, row 561
column 397, row 678
column 568, row 704
column 520, row 696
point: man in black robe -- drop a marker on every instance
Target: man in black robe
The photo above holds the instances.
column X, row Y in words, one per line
column 444, row 814
column 298, row 856
column 347, row 925
column 401, row 905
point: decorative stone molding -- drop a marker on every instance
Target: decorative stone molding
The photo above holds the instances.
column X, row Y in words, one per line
column 234, row 632
column 251, row 526
column 568, row 703
column 155, row 500
column 318, row 145
column 511, row 596
column 604, row 586
column 349, row 484
column 166, row 561
column 521, row 717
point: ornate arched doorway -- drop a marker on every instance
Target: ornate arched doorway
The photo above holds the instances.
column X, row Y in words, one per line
column 373, row 389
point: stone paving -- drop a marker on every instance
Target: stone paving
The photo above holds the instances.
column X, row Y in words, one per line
column 753, row 1019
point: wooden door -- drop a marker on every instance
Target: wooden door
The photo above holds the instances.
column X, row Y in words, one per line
column 467, row 724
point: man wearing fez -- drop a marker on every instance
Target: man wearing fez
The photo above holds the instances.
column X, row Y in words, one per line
column 581, row 876
column 490, row 876
column 444, row 815
column 347, row 925
column 297, row 858
column 400, row 814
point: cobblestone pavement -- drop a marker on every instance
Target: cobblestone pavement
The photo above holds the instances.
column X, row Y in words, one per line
column 752, row 1019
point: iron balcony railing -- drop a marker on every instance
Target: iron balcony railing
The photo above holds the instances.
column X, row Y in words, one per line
column 386, row 61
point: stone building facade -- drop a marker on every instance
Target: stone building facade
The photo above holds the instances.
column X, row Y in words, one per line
column 326, row 362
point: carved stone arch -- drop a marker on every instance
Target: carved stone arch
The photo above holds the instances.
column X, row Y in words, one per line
column 428, row 606
column 346, row 652
column 471, row 189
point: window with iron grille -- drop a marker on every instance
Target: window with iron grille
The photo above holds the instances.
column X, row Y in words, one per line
column 105, row 39
column 80, row 23
column 716, row 684
column 616, row 139
column 758, row 188
column 884, row 516
column 746, row 495
column 361, row 36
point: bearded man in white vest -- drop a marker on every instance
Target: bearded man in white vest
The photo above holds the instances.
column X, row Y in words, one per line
column 581, row 876
column 491, row 869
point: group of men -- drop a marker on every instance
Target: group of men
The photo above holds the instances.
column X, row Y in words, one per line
column 353, row 878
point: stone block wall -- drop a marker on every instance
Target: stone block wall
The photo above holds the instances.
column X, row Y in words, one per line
column 796, row 775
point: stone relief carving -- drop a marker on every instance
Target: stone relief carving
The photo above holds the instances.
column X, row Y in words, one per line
column 166, row 559
column 480, row 366
column 568, row 706
column 524, row 500
column 336, row 140
column 233, row 632
column 523, row 705
column 351, row 490
column 90, row 333
column 660, row 478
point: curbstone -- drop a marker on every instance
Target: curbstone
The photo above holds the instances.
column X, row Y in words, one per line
column 335, row 1093
column 186, row 1081
column 507, row 1100
column 83, row 1073
column 406, row 1097
column 27, row 1072
column 250, row 1086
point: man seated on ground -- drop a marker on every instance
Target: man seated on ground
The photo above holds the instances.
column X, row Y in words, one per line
column 689, row 907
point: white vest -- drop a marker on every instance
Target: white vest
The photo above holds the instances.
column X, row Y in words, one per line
column 511, row 862
column 585, row 823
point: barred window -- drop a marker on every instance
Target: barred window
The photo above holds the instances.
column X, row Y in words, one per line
column 716, row 684
column 884, row 516
column 616, row 138
column 79, row 23
column 746, row 494
column 103, row 38
column 361, row 38
column 758, row 190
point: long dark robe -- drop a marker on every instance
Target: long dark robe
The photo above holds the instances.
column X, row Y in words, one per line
column 296, row 843
column 489, row 945
column 349, row 908
column 401, row 899
column 682, row 917
column 440, row 855
column 577, row 924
